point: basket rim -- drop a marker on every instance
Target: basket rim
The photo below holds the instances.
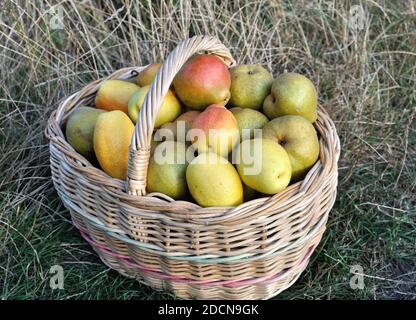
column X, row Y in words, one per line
column 186, row 209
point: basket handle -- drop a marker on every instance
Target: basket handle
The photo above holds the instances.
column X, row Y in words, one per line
column 139, row 151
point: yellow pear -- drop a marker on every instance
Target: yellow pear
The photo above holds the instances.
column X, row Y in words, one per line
column 291, row 94
column 146, row 76
column 299, row 138
column 169, row 111
column 115, row 95
column 263, row 165
column 112, row 136
column 213, row 181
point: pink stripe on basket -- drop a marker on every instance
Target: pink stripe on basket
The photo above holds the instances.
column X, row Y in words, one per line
column 161, row 275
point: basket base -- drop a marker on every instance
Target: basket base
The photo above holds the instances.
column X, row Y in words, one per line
column 259, row 291
column 257, row 288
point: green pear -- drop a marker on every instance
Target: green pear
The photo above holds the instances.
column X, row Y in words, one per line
column 299, row 138
column 248, row 120
column 250, row 85
column 80, row 130
column 291, row 94
column 169, row 111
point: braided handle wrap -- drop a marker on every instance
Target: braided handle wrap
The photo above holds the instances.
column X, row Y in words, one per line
column 139, row 151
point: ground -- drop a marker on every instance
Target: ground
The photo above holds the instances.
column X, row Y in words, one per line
column 360, row 54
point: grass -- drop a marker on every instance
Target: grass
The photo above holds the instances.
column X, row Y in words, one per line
column 366, row 79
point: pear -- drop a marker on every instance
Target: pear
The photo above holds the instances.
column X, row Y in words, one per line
column 250, row 85
column 169, row 111
column 248, row 120
column 146, row 76
column 112, row 136
column 300, row 140
column 291, row 94
column 180, row 126
column 80, row 130
column 115, row 95
column 167, row 170
column 202, row 81
column 216, row 129
column 213, row 181
column 263, row 165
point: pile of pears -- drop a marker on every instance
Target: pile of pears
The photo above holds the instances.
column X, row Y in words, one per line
column 251, row 114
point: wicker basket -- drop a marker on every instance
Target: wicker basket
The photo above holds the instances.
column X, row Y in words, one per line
column 252, row 251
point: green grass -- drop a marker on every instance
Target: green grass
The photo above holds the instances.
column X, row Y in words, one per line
column 366, row 81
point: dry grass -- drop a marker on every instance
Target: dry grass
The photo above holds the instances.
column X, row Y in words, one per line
column 366, row 79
